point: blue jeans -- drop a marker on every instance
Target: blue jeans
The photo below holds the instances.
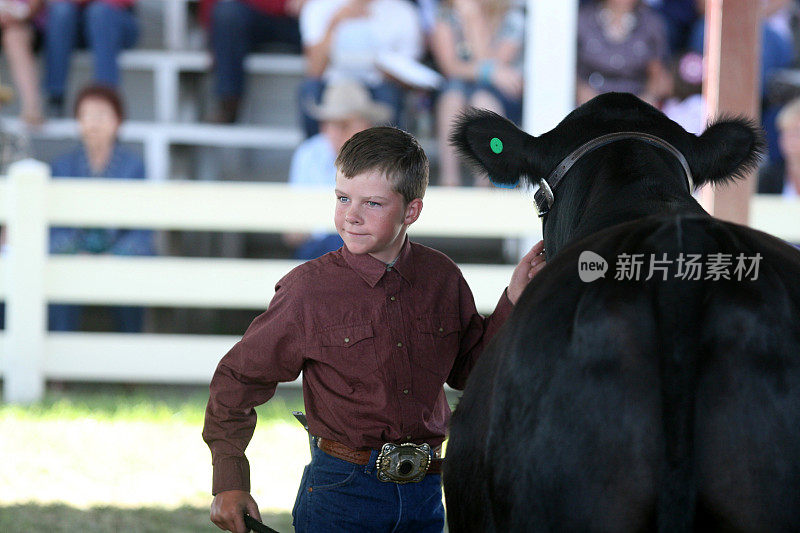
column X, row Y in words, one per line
column 61, row 317
column 311, row 90
column 106, row 30
column 336, row 496
column 237, row 28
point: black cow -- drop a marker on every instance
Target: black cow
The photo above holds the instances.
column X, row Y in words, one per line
column 670, row 403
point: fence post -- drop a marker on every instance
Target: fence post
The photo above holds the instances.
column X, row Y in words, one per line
column 26, row 317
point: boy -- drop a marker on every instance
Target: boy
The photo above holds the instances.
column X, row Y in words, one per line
column 377, row 327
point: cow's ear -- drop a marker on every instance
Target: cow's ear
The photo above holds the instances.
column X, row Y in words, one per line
column 493, row 145
column 729, row 149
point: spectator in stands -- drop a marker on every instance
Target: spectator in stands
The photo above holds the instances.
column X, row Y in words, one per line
column 343, row 39
column 346, row 109
column 20, row 25
column 783, row 176
column 99, row 112
column 236, row 28
column 105, row 26
column 622, row 46
column 477, row 45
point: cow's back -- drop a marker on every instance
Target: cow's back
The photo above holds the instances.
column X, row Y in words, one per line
column 566, row 410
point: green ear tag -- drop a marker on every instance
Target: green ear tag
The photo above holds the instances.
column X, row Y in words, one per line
column 496, row 145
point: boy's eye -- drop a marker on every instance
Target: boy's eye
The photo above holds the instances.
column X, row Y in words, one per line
column 342, row 199
column 373, row 204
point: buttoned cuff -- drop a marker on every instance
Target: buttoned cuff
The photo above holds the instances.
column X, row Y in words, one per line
column 231, row 473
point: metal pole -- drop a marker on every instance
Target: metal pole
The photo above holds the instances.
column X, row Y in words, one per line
column 732, row 87
column 550, row 59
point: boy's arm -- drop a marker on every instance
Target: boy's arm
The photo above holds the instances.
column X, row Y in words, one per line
column 271, row 351
column 479, row 330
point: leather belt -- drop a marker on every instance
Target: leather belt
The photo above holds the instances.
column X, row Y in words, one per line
column 361, row 457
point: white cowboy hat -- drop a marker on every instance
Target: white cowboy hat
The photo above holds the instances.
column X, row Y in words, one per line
column 343, row 98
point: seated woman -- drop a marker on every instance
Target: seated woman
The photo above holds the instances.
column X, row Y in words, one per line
column 477, row 45
column 99, row 113
column 622, row 47
column 343, row 39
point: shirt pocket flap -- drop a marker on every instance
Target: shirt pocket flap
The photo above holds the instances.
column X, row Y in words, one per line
column 345, row 336
column 440, row 326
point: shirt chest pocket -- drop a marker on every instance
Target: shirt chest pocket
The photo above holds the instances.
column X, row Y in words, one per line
column 439, row 336
column 349, row 350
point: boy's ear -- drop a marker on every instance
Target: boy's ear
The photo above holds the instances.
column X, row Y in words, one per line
column 413, row 210
column 494, row 145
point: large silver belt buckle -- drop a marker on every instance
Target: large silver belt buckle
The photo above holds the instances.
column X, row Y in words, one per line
column 403, row 463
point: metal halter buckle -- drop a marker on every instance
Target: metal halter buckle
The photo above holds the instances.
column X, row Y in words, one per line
column 403, row 463
column 544, row 198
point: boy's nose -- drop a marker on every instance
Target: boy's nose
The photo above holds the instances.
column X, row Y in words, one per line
column 352, row 215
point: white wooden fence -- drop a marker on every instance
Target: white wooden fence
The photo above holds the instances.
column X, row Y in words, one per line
column 30, row 202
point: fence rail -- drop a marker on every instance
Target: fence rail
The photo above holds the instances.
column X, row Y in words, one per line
column 30, row 202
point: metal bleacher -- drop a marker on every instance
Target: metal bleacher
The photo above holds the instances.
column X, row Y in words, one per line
column 167, row 90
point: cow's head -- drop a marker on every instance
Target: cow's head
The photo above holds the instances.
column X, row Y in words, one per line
column 619, row 181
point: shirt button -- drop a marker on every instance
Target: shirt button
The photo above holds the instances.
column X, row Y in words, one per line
column 408, row 437
column 347, row 339
column 399, row 344
column 388, row 269
column 441, row 330
column 405, row 391
column 392, row 298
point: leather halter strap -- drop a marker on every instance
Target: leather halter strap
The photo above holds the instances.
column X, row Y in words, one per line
column 544, row 196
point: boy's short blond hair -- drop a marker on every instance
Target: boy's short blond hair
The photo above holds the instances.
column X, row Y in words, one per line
column 789, row 115
column 392, row 151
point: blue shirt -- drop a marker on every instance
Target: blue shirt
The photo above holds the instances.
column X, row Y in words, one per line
column 313, row 163
column 123, row 164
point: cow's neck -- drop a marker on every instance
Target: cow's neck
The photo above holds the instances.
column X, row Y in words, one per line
column 612, row 200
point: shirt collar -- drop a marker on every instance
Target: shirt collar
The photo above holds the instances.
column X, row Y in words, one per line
column 372, row 270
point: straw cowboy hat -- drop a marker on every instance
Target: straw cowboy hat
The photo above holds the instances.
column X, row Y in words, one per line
column 343, row 98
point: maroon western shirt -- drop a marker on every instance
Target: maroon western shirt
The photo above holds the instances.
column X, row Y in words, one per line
column 375, row 345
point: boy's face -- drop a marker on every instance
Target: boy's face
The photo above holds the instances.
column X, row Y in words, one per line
column 371, row 217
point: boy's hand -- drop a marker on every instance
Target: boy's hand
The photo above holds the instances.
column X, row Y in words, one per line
column 228, row 508
column 529, row 266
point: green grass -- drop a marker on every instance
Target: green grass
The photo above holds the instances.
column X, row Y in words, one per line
column 144, row 403
column 117, row 458
column 63, row 518
column 107, row 458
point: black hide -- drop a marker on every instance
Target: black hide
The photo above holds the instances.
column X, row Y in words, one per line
column 633, row 405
